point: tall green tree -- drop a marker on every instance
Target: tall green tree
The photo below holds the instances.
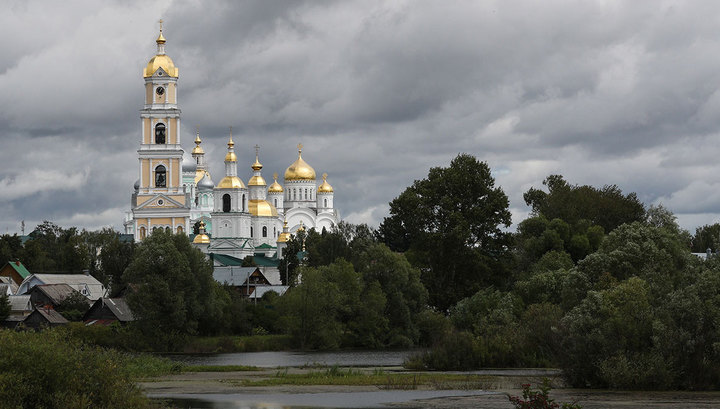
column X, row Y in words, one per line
column 607, row 207
column 174, row 293
column 450, row 225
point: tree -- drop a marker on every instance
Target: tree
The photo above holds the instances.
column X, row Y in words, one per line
column 450, row 226
column 114, row 258
column 606, row 207
column 5, row 307
column 74, row 306
column 173, row 290
column 706, row 237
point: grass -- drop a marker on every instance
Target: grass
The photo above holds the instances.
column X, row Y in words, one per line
column 218, row 368
column 355, row 377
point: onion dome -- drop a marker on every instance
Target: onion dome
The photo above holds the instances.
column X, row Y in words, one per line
column 201, row 238
column 231, row 182
column 160, row 60
column 136, row 186
column 300, row 170
column 261, row 208
column 188, row 164
column 285, row 235
column 325, row 187
column 231, row 157
column 205, row 183
column 257, row 179
column 198, row 149
column 275, row 187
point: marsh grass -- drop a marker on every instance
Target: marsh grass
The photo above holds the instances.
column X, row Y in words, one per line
column 335, row 375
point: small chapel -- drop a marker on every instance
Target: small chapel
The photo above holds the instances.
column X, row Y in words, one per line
column 176, row 192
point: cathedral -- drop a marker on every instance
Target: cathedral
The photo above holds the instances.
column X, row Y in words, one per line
column 176, row 192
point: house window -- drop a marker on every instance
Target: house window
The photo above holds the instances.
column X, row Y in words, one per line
column 264, row 231
column 160, row 176
column 226, row 203
column 160, row 134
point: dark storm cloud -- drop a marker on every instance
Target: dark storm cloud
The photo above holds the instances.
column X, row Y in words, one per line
column 619, row 93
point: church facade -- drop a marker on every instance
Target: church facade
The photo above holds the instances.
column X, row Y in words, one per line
column 176, row 192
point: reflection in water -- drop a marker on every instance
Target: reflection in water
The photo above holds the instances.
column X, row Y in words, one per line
column 344, row 400
column 275, row 359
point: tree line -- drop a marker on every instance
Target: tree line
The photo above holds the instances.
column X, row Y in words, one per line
column 592, row 281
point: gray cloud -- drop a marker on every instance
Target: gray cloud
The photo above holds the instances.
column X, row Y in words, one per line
column 378, row 92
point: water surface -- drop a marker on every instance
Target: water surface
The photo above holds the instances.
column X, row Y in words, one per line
column 285, row 358
column 330, row 400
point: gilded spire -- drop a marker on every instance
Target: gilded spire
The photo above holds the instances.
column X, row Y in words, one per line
column 231, row 157
column 197, row 149
column 275, row 187
column 257, row 165
column 160, row 40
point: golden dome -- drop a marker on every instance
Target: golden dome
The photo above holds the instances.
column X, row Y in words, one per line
column 325, row 187
column 257, row 165
column 261, row 208
column 300, row 170
column 257, row 181
column 199, row 174
column 275, row 187
column 160, row 61
column 198, row 149
column 231, row 157
column 285, row 235
column 231, row 182
column 201, row 238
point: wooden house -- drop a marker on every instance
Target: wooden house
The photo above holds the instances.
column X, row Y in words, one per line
column 51, row 295
column 15, row 270
column 106, row 311
column 44, row 318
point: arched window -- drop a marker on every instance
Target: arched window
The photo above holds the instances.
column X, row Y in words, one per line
column 305, row 193
column 179, row 230
column 243, row 203
column 160, row 176
column 251, row 231
column 143, row 232
column 275, row 203
column 325, row 202
column 264, row 231
column 160, row 134
column 274, row 232
column 226, row 203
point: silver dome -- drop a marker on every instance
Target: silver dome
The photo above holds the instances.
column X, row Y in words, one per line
column 188, row 164
column 205, row 183
column 136, row 186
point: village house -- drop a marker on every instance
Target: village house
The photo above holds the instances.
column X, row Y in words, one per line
column 14, row 270
column 106, row 311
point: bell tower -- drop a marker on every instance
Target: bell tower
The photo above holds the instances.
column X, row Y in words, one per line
column 160, row 199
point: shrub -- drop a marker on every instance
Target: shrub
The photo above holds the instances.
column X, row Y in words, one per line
column 539, row 399
column 48, row 370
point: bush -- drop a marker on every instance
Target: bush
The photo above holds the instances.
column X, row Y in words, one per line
column 457, row 351
column 539, row 399
column 49, row 370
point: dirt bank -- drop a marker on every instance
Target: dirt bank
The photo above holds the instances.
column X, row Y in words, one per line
column 501, row 383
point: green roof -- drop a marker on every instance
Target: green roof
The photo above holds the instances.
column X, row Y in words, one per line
column 264, row 246
column 20, row 268
column 263, row 261
column 226, row 260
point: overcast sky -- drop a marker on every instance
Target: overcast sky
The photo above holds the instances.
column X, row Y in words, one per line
column 604, row 92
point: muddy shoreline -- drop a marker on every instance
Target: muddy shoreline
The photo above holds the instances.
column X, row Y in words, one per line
column 497, row 386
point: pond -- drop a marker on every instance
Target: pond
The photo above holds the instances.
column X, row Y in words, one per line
column 338, row 400
column 285, row 358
